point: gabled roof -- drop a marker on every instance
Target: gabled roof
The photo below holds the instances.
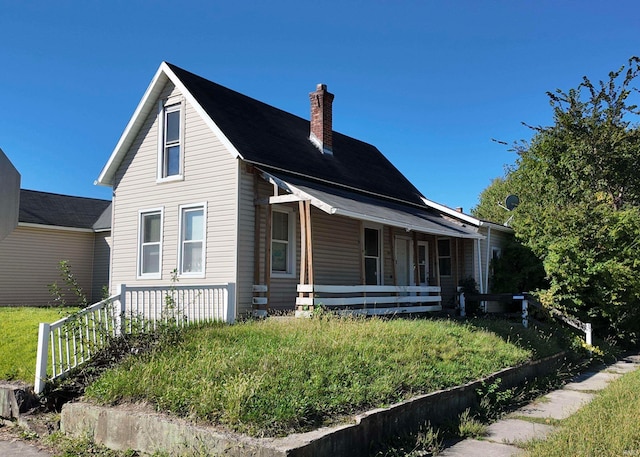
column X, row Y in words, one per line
column 465, row 217
column 271, row 138
column 57, row 210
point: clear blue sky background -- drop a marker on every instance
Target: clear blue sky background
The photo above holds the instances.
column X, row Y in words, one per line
column 428, row 82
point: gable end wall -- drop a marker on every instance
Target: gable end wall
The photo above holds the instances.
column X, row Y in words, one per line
column 210, row 176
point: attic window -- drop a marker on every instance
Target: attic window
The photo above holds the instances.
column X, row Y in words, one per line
column 170, row 141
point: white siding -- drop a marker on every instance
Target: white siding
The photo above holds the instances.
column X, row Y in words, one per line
column 29, row 259
column 210, row 175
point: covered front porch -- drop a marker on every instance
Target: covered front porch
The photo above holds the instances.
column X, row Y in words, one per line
column 318, row 245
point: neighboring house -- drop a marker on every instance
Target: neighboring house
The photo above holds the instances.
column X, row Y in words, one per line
column 224, row 189
column 9, row 196
column 488, row 249
column 51, row 228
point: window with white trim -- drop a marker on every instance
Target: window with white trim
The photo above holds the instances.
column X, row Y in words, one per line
column 283, row 248
column 371, row 256
column 150, row 244
column 423, row 262
column 192, row 240
column 171, row 141
column 444, row 256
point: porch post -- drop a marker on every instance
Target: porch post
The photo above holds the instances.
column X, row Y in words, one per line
column 267, row 254
column 479, row 251
column 307, row 205
column 303, row 243
column 256, row 246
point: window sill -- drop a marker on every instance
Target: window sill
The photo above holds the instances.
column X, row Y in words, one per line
column 191, row 275
column 149, row 276
column 280, row 275
column 170, row 179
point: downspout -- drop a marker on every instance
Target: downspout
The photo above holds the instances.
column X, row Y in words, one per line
column 486, row 277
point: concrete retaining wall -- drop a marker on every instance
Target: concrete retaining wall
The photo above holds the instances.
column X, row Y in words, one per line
column 16, row 398
column 128, row 427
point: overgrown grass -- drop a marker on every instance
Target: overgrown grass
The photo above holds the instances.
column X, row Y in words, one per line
column 274, row 377
column 19, row 339
column 608, row 426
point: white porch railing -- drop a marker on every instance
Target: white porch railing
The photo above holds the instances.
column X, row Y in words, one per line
column 370, row 300
column 71, row 341
column 528, row 300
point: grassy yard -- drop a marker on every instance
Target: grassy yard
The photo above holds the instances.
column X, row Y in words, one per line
column 608, row 426
column 277, row 376
column 19, row 339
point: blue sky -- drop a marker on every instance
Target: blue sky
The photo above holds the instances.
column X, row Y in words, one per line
column 430, row 83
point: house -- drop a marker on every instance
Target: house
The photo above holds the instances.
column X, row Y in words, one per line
column 51, row 228
column 488, row 249
column 9, row 196
column 215, row 187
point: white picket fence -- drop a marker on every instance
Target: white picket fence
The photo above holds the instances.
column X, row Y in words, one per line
column 71, row 341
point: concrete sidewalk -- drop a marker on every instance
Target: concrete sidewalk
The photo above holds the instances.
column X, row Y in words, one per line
column 11, row 446
column 559, row 404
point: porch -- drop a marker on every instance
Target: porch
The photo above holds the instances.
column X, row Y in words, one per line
column 316, row 245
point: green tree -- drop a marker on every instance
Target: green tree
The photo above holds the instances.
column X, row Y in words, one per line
column 491, row 202
column 579, row 206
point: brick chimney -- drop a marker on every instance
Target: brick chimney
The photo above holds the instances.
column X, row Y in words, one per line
column 321, row 119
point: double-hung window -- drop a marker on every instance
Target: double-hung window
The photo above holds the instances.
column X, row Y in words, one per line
column 150, row 244
column 372, row 256
column 444, row 256
column 170, row 153
column 192, row 240
column 283, row 246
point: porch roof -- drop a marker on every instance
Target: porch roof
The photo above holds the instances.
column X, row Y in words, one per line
column 351, row 204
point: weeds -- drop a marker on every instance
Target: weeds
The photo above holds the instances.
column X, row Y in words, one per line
column 469, row 426
column 71, row 283
column 83, row 447
column 426, row 442
column 275, row 377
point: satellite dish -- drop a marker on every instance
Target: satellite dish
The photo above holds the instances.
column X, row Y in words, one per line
column 511, row 202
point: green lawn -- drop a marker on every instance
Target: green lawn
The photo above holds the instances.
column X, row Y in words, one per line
column 606, row 427
column 19, row 339
column 277, row 376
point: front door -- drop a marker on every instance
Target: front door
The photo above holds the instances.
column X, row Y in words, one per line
column 404, row 261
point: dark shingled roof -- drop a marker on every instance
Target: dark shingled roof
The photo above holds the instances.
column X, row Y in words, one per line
column 279, row 141
column 60, row 210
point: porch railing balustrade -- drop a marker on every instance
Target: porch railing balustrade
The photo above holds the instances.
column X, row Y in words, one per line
column 73, row 340
column 367, row 299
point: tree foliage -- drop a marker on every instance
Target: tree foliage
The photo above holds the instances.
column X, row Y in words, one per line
column 489, row 206
column 579, row 206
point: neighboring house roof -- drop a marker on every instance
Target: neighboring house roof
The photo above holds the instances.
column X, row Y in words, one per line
column 271, row 138
column 45, row 208
column 459, row 215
